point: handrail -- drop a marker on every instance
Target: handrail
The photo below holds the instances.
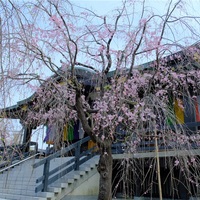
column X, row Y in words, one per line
column 61, row 152
column 51, row 175
column 21, row 161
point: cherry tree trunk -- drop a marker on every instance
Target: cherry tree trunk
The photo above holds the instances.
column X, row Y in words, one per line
column 105, row 170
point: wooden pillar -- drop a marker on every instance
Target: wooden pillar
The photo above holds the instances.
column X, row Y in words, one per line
column 27, row 137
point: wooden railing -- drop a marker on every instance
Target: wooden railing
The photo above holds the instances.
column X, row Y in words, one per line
column 50, row 176
column 148, row 145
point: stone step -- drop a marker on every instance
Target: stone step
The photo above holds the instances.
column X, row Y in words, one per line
column 69, row 187
column 70, row 180
column 55, row 189
column 17, row 191
column 21, row 197
column 19, row 172
column 22, row 169
column 18, row 177
column 45, row 194
column 82, row 172
column 64, row 185
column 66, row 181
column 18, row 181
column 63, row 180
column 18, row 186
column 83, row 169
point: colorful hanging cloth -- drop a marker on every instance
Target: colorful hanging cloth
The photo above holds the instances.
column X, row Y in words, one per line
column 50, row 134
column 170, row 113
column 65, row 134
column 197, row 108
column 70, row 131
column 179, row 111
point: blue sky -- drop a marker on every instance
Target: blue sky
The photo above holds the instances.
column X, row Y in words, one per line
column 103, row 6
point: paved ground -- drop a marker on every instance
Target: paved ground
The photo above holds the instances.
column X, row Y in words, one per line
column 84, row 198
column 95, row 198
column 80, row 198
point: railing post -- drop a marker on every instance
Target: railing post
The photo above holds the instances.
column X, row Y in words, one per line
column 46, row 175
column 77, row 155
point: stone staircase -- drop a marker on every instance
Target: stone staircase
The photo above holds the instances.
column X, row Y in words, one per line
column 19, row 183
